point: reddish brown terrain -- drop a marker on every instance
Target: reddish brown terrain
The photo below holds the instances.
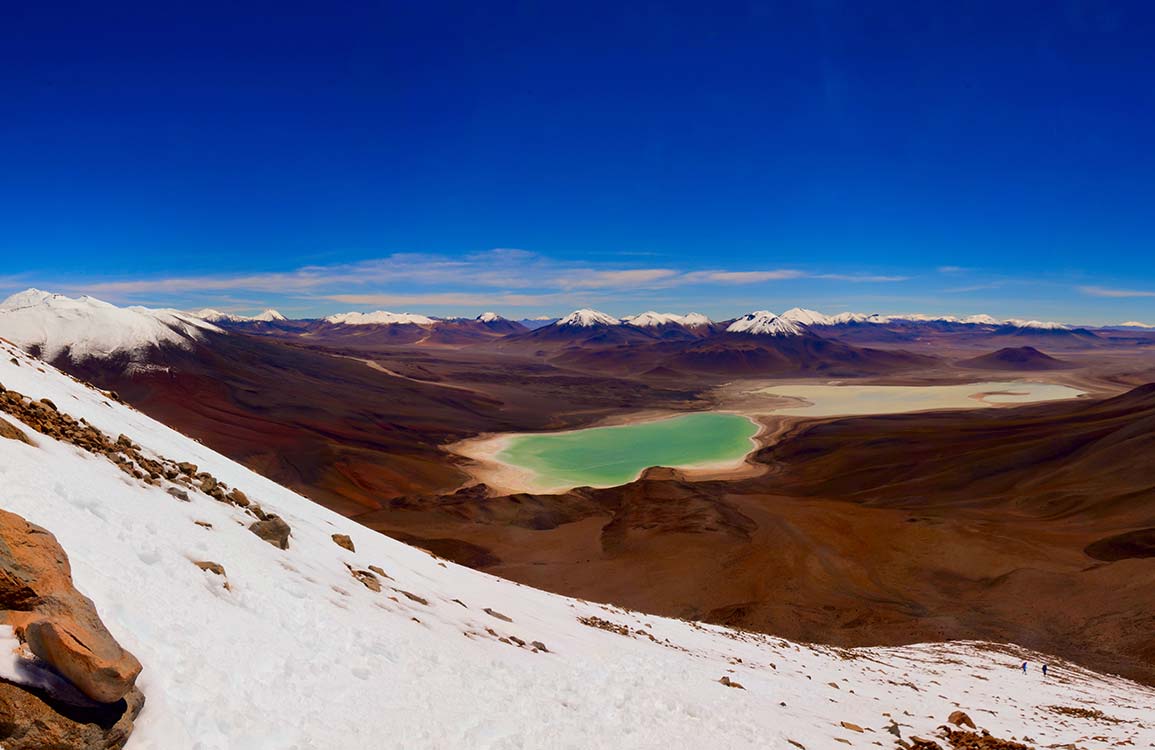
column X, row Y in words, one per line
column 1016, row 358
column 1030, row 524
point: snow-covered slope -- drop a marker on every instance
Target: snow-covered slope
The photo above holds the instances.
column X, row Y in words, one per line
column 653, row 319
column 86, row 328
column 296, row 652
column 586, row 318
column 380, row 317
column 764, row 323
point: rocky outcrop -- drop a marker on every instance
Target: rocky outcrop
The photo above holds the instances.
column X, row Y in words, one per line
column 34, row 721
column 273, row 530
column 62, row 631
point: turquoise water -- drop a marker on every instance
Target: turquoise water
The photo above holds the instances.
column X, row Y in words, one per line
column 609, row 456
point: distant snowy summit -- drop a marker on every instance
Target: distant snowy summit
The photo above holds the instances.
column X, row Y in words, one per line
column 765, row 323
column 85, row 328
column 379, row 318
column 653, row 319
column 216, row 316
column 586, row 318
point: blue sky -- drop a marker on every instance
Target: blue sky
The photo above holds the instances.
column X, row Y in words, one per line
column 450, row 158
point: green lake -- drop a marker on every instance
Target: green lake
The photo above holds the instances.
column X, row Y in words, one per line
column 610, row 456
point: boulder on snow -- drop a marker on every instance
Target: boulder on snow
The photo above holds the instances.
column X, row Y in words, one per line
column 273, row 530
column 59, row 623
column 88, row 657
column 343, row 540
column 60, row 626
column 960, row 719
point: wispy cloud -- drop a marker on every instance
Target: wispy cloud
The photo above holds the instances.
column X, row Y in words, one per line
column 499, row 277
column 861, row 278
column 1102, row 291
column 951, row 269
column 627, row 278
column 742, row 277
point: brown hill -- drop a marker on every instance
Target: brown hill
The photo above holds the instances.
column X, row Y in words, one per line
column 1014, row 358
column 349, row 434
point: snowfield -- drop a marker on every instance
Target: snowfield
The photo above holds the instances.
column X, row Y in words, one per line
column 296, row 653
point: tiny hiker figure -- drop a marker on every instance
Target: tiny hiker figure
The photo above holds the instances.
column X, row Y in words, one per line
column 1044, row 670
column 1024, row 667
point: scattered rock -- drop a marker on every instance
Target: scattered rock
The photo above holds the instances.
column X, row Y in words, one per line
column 539, row 646
column 343, row 540
column 367, row 578
column 851, row 727
column 730, row 683
column 210, row 566
column 187, row 469
column 495, row 613
column 273, row 530
column 413, row 597
column 960, row 719
column 178, row 493
column 238, row 498
column 381, row 572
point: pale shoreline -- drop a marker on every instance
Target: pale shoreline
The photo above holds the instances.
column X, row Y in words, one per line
column 506, row 478
column 759, row 406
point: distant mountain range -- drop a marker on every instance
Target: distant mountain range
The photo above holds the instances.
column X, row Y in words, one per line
column 55, row 325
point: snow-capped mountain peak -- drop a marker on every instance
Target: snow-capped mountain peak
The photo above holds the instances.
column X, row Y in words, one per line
column 982, row 320
column 807, row 317
column 764, row 323
column 269, row 316
column 653, row 319
column 586, row 318
column 1043, row 325
column 216, row 316
column 379, row 317
column 489, row 317
column 89, row 328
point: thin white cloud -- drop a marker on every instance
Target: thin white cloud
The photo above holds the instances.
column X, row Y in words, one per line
column 742, row 277
column 617, row 279
column 1101, row 291
column 860, row 278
